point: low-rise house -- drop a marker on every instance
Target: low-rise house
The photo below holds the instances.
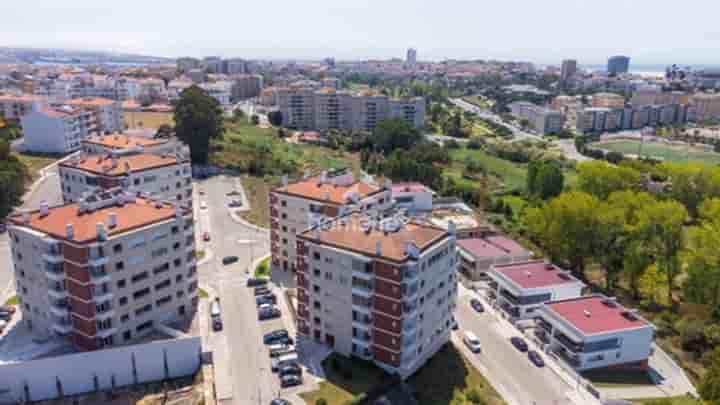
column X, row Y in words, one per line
column 478, row 255
column 595, row 332
column 412, row 196
column 519, row 289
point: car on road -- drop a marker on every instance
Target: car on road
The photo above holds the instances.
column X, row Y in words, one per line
column 536, row 358
column 8, row 308
column 265, row 299
column 519, row 343
column 232, row 193
column 203, row 205
column 477, row 305
column 229, row 260
column 217, row 324
column 472, row 342
column 256, row 282
column 266, row 313
column 206, row 236
column 290, row 381
column 280, row 401
column 293, row 369
column 261, row 290
column 279, row 349
column 276, row 363
column 235, row 203
column 278, row 334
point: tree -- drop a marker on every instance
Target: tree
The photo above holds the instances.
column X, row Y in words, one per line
column 275, row 118
column 238, row 114
column 566, row 227
column 164, row 131
column 702, row 256
column 661, row 226
column 198, row 119
column 394, row 133
column 545, row 179
column 13, row 174
column 651, row 283
column 255, row 119
column 709, row 387
column 601, row 179
column 692, row 183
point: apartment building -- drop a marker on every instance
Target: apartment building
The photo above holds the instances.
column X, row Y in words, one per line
column 295, row 206
column 108, row 113
column 413, row 197
column 103, row 271
column 158, row 176
column 542, row 120
column 478, row 255
column 707, row 105
column 383, row 290
column 220, row 91
column 519, row 289
column 568, row 70
column 14, row 107
column 127, row 143
column 57, row 130
column 595, row 331
column 596, row 119
column 607, row 100
column 328, row 108
column 618, row 65
column 246, row 86
column 654, row 95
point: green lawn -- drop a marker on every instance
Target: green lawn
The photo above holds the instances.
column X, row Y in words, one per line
column 448, row 377
column 257, row 190
column 35, row 162
column 263, row 269
column 12, row 300
column 340, row 388
column 684, row 400
column 508, row 174
column 657, row 150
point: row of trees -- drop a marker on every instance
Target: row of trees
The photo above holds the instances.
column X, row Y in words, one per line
column 13, row 175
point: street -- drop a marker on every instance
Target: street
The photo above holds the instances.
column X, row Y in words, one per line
column 518, row 133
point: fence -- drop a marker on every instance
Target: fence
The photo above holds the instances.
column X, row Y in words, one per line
column 100, row 370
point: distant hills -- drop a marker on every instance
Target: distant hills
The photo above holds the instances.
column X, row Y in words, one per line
column 60, row 56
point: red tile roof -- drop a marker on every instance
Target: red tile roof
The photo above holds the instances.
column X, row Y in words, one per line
column 534, row 274
column 130, row 216
column 590, row 315
column 122, row 141
column 103, row 164
column 311, row 188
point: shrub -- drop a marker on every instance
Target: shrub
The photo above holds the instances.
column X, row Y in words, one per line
column 473, row 396
column 474, row 144
column 692, row 336
column 321, row 401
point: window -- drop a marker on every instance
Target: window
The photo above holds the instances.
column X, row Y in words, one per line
column 121, row 283
column 124, row 318
column 144, row 325
column 119, row 266
column 317, row 305
column 136, row 242
column 164, row 300
column 163, row 284
column 161, row 269
column 117, row 248
column 141, row 293
column 159, row 252
column 328, row 275
column 144, row 309
column 177, row 262
column 316, row 288
column 316, row 255
column 140, row 277
column 123, row 300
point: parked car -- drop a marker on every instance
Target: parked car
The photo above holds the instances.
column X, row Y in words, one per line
column 278, row 334
column 5, row 316
column 206, row 236
column 268, row 313
column 290, row 381
column 203, row 205
column 292, row 369
column 472, row 342
column 235, row 203
column 261, row 290
column 477, row 305
column 217, row 324
column 276, row 363
column 278, row 350
column 256, row 282
column 8, row 308
column 229, row 260
column 519, row 343
column 279, row 401
column 536, row 358
column 266, row 299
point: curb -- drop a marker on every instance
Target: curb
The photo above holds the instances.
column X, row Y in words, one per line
column 245, row 223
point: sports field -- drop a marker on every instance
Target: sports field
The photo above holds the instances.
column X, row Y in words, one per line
column 660, row 151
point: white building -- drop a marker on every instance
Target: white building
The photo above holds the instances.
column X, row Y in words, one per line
column 126, row 143
column 57, row 130
column 220, row 91
column 295, row 206
column 108, row 113
column 103, row 271
column 383, row 291
column 521, row 288
column 412, row 197
column 13, row 107
column 595, row 332
column 158, row 176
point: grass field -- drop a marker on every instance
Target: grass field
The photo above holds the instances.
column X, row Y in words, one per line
column 667, row 401
column 340, row 388
column 507, row 175
column 665, row 152
column 145, row 119
column 35, row 163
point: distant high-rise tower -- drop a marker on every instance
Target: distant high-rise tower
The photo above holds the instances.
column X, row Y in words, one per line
column 568, row 70
column 618, row 64
column 411, row 57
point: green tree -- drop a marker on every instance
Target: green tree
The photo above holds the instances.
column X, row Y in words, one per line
column 198, row 119
column 566, row 227
column 709, row 387
column 545, row 179
column 13, row 174
column 702, row 256
column 661, row 226
column 600, row 178
column 651, row 283
column 394, row 133
column 692, row 183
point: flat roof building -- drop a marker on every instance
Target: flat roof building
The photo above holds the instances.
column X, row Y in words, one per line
column 478, row 255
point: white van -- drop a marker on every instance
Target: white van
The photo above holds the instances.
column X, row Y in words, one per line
column 472, row 342
column 215, row 309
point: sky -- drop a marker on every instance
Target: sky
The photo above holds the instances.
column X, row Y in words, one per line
column 540, row 31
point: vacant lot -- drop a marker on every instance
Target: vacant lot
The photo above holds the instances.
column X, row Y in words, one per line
column 148, row 119
column 35, row 162
column 661, row 151
column 505, row 174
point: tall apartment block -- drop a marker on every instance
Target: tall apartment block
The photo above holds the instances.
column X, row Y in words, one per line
column 327, row 108
column 568, row 70
column 159, row 176
column 57, row 130
column 543, row 120
column 618, row 64
column 295, row 206
column 382, row 290
column 108, row 113
column 105, row 270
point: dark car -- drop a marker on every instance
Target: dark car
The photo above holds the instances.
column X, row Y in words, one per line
column 293, row 369
column 477, row 305
column 262, row 290
column 3, row 228
column 217, row 324
column 268, row 313
column 290, row 381
column 255, row 282
column 519, row 343
column 276, row 363
column 265, row 299
column 536, row 358
column 279, row 401
column 229, row 260
column 274, row 336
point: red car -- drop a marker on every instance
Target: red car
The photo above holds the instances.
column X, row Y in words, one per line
column 206, row 236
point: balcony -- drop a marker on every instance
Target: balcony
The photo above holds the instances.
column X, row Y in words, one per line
column 58, row 293
column 570, row 358
column 108, row 313
column 542, row 335
column 567, row 343
column 98, row 260
column 509, row 297
column 99, row 297
column 99, row 276
column 62, row 328
column 54, row 271
column 409, row 309
column 53, row 255
column 59, row 310
column 363, row 291
column 106, row 332
column 364, row 321
column 409, row 325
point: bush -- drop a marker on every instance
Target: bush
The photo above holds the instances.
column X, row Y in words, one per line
column 665, row 324
column 474, row 144
column 473, row 396
column 452, row 144
column 614, row 157
column 321, row 401
column 692, row 336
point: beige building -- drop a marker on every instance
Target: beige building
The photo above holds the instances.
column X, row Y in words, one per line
column 104, row 271
column 159, row 176
column 296, row 206
column 607, row 100
column 384, row 291
column 128, row 143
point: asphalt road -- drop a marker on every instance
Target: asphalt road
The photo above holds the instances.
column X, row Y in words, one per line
column 505, row 365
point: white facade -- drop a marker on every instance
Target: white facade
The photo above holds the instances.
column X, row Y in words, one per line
column 15, row 107
column 412, row 197
column 220, row 91
column 55, row 131
column 108, row 113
